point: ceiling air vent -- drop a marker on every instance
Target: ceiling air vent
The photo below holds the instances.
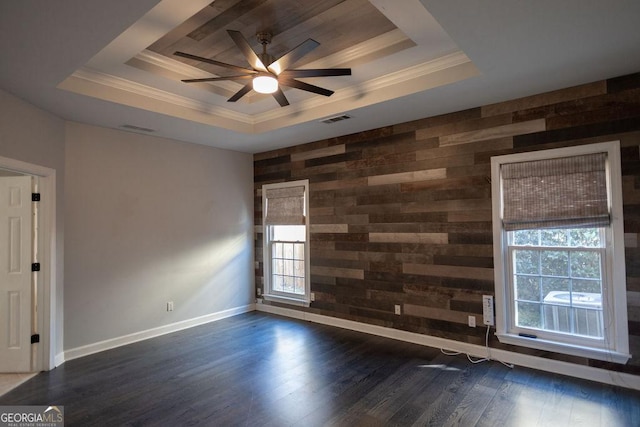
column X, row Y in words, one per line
column 334, row 119
column 137, row 128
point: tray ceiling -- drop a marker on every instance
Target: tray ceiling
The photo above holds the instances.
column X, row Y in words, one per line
column 393, row 52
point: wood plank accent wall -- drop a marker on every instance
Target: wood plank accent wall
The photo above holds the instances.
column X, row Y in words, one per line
column 402, row 214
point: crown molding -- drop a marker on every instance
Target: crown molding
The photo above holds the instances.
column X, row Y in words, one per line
column 446, row 69
column 115, row 82
column 179, row 68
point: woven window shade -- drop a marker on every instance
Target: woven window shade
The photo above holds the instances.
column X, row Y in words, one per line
column 285, row 206
column 556, row 193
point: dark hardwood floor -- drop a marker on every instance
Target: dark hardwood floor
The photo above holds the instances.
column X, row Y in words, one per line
column 257, row 369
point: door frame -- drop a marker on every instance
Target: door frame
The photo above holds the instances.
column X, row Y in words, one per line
column 48, row 317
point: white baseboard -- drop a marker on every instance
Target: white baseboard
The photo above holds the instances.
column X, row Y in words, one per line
column 534, row 362
column 58, row 360
column 97, row 347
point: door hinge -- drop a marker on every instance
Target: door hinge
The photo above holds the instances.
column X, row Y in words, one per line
column 35, row 338
column 35, row 266
column 35, row 197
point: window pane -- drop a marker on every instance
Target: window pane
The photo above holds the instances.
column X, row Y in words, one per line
column 553, row 237
column 277, row 250
column 528, row 315
column 289, row 233
column 528, row 288
column 277, row 283
column 553, row 284
column 278, row 266
column 586, row 300
column 288, row 267
column 288, row 284
column 588, row 322
column 288, row 250
column 585, row 264
column 585, row 237
column 526, row 237
column 557, row 318
column 589, row 286
column 527, row 262
column 577, row 313
column 555, row 263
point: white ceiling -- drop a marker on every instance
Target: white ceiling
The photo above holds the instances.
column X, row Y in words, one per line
column 69, row 57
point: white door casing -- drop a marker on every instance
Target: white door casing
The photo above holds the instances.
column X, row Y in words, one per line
column 16, row 227
column 50, row 312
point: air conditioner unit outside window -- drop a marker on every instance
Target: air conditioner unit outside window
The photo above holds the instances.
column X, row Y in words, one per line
column 574, row 312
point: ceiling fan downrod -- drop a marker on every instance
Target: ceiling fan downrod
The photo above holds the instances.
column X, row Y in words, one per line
column 265, row 39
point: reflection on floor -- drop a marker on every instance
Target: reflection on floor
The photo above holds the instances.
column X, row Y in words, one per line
column 10, row 381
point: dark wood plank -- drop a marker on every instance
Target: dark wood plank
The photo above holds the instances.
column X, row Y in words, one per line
column 259, row 369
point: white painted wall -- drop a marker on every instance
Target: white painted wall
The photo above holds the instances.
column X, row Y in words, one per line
column 151, row 220
column 35, row 136
column 148, row 220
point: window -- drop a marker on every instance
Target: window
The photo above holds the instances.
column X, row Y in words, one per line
column 286, row 252
column 559, row 251
column 557, row 279
column 287, row 259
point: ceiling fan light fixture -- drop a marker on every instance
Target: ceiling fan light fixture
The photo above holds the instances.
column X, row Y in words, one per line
column 266, row 74
column 265, row 84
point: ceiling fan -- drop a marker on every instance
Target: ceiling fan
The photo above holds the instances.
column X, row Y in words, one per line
column 267, row 74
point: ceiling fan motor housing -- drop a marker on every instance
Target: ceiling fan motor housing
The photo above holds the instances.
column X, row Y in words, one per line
column 264, row 38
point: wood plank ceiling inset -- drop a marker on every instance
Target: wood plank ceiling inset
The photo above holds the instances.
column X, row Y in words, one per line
column 336, row 24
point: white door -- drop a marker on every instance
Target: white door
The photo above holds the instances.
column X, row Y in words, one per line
column 15, row 274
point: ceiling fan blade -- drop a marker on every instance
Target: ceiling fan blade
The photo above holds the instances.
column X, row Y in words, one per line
column 291, row 57
column 318, row 72
column 242, row 92
column 305, row 86
column 279, row 96
column 213, row 62
column 246, row 50
column 213, row 79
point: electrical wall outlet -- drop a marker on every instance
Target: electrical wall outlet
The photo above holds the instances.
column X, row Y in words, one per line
column 398, row 309
column 259, row 291
column 487, row 310
column 312, row 296
column 472, row 321
column 169, row 305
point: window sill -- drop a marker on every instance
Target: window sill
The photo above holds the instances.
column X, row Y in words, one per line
column 301, row 302
column 572, row 349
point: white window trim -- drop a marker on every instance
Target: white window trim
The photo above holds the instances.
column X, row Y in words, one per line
column 268, row 294
column 616, row 343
